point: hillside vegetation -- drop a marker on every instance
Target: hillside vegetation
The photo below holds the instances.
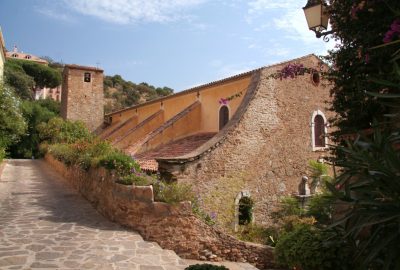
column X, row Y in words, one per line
column 120, row 94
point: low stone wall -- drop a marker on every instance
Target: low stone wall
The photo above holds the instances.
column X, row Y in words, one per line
column 171, row 226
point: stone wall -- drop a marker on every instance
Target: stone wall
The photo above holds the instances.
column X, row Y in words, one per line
column 171, row 226
column 83, row 100
column 267, row 150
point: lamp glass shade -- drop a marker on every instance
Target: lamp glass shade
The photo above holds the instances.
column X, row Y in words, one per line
column 317, row 17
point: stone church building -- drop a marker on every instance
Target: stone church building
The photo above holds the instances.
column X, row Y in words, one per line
column 246, row 136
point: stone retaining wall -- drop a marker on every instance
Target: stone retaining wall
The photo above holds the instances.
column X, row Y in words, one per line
column 171, row 226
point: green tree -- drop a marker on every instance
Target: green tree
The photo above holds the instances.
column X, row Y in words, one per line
column 43, row 76
column 12, row 122
column 122, row 94
column 34, row 112
column 16, row 77
column 24, row 76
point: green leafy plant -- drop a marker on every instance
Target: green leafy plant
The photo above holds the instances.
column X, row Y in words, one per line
column 201, row 214
column 12, row 123
column 2, row 154
column 257, row 234
column 319, row 174
column 57, row 130
column 307, row 247
column 321, row 207
column 206, row 266
column 118, row 161
column 289, row 206
column 64, row 153
column 173, row 193
column 369, row 189
column 137, row 179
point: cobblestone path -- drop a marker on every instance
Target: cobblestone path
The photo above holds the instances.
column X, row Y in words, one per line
column 45, row 224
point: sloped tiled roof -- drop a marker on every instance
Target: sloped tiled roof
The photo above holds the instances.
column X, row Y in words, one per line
column 176, row 148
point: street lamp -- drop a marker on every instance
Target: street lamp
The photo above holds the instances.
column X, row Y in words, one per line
column 317, row 16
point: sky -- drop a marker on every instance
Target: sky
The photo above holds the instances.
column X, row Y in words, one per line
column 174, row 43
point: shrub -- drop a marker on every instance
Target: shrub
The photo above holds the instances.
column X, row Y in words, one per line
column 118, row 161
column 206, row 266
column 56, row 130
column 137, row 179
column 257, row 234
column 173, row 193
column 64, row 153
column 307, row 247
column 319, row 174
column 321, row 207
column 2, row 154
column 289, row 206
column 201, row 214
column 289, row 223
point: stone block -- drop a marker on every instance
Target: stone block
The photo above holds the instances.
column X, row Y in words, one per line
column 144, row 194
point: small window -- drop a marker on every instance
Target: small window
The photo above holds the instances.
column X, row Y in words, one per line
column 87, row 77
column 223, row 116
column 14, row 55
column 319, row 131
column 28, row 57
column 315, row 78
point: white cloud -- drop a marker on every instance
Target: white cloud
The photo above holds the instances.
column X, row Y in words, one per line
column 55, row 15
column 288, row 16
column 258, row 6
column 133, row 11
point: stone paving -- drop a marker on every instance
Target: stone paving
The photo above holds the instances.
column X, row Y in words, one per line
column 45, row 224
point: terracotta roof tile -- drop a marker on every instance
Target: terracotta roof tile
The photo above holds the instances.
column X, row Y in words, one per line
column 176, row 148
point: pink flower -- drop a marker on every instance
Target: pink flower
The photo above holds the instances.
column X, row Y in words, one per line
column 393, row 32
column 395, row 26
column 223, row 101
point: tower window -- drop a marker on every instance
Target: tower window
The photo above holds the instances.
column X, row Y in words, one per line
column 87, row 77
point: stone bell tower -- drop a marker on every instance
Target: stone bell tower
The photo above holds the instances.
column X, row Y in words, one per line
column 82, row 95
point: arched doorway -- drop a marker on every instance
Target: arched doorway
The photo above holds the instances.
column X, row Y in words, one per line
column 243, row 209
column 223, row 116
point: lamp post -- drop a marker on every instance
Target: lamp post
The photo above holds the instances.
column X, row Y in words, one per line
column 317, row 16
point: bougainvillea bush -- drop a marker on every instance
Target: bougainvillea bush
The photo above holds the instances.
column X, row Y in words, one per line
column 368, row 35
column 365, row 75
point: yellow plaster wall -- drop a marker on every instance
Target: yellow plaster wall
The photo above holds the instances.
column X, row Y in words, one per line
column 209, row 96
column 210, row 99
column 183, row 127
column 142, row 130
column 123, row 128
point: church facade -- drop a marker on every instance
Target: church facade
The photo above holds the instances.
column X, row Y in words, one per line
column 247, row 136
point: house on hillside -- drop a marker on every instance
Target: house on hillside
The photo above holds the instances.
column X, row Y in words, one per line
column 39, row 93
column 244, row 138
